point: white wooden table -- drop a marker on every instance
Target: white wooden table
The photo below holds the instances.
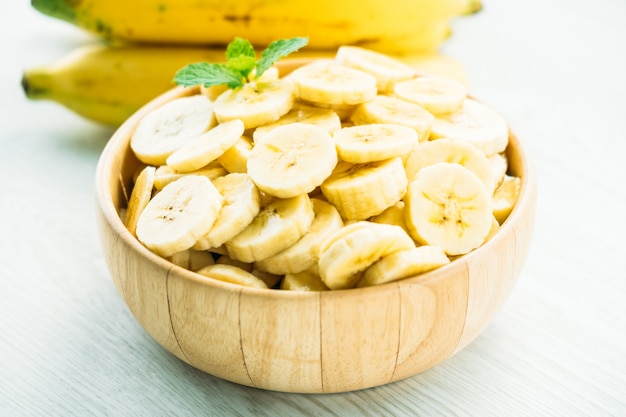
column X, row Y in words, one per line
column 555, row 68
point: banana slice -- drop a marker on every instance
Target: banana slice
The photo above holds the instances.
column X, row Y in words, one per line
column 343, row 259
column 139, row 197
column 165, row 174
column 453, row 151
column 292, row 159
column 235, row 159
column 227, row 260
column 256, row 103
column 374, row 142
column 403, row 264
column 365, row 190
column 232, row 274
column 277, row 226
column 385, row 109
column 387, row 70
column 475, row 123
column 179, row 214
column 214, row 91
column 192, row 260
column 348, row 227
column 393, row 215
column 206, row 148
column 303, row 281
column 343, row 111
column 325, row 118
column 271, row 280
column 495, row 227
column 266, row 198
column 304, row 254
column 171, row 126
column 270, row 74
column 499, row 166
column 505, row 197
column 447, row 205
column 241, row 203
column 436, row 94
column 221, row 251
column 330, row 83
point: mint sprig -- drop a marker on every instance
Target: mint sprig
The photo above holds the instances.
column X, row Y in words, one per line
column 240, row 62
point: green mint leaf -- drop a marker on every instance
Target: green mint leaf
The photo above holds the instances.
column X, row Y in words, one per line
column 277, row 50
column 207, row 75
column 240, row 61
column 242, row 65
column 239, row 47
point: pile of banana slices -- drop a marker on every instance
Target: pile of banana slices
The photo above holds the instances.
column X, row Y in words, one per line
column 347, row 172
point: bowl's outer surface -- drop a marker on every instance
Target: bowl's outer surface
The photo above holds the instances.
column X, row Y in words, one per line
column 313, row 342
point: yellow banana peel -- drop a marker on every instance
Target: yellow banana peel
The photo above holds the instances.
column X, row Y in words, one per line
column 393, row 26
column 107, row 84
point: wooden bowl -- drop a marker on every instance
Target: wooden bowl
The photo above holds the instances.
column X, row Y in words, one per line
column 307, row 342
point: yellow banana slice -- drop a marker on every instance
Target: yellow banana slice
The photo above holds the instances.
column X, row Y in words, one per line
column 206, row 148
column 304, row 254
column 448, row 206
column 505, row 197
column 179, row 214
column 393, row 215
column 403, row 264
column 232, row 274
column 365, row 190
column 475, row 123
column 235, row 159
column 499, row 166
column 374, row 142
column 454, row 151
column 192, row 260
column 256, row 103
column 330, row 83
column 387, row 70
column 171, row 126
column 227, row 260
column 386, row 109
column 348, row 227
column 219, row 251
column 438, row 95
column 342, row 261
column 241, row 203
column 495, row 226
column 324, row 118
column 303, row 281
column 343, row 111
column 165, row 174
column 266, row 198
column 292, row 159
column 278, row 225
column 139, row 197
column 271, row 280
column 215, row 91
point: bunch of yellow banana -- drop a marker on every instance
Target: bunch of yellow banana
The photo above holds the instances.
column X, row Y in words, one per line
column 393, row 26
column 347, row 172
column 147, row 41
column 108, row 83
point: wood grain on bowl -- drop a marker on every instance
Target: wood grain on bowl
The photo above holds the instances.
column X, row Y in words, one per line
column 314, row 342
